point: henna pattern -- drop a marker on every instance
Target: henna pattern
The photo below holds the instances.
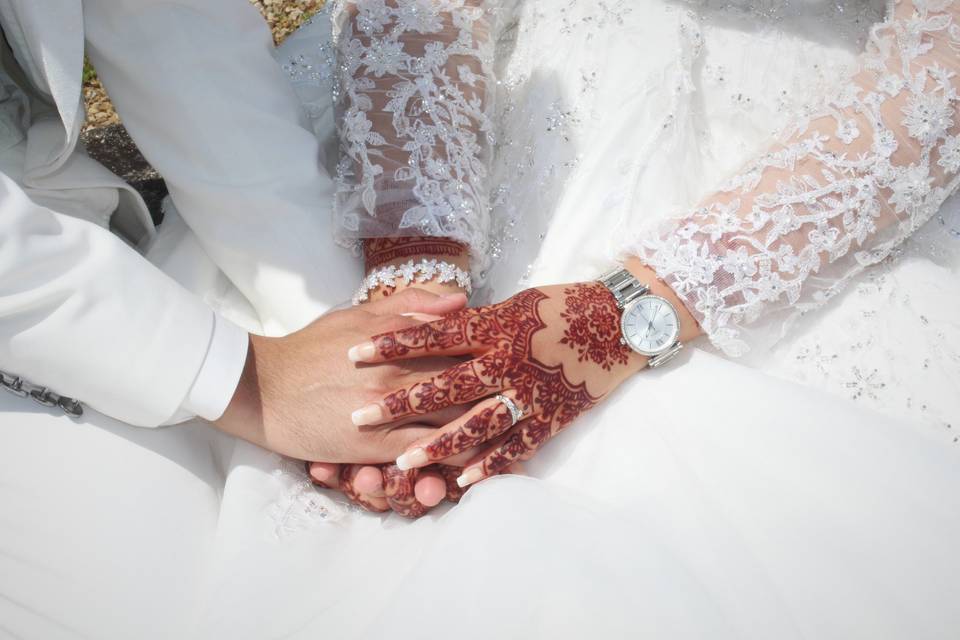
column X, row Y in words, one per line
column 399, row 488
column 593, row 326
column 380, row 251
column 504, row 333
column 480, row 428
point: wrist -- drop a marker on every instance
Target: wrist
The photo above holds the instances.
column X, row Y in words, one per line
column 243, row 416
column 689, row 328
column 383, row 253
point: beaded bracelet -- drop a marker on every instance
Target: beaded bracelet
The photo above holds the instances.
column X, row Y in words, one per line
column 423, row 271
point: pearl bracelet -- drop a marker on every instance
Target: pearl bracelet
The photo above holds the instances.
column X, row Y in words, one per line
column 423, row 271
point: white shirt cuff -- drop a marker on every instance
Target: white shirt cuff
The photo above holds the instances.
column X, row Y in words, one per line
column 220, row 372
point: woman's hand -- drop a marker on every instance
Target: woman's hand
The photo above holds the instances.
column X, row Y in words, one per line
column 410, row 493
column 554, row 351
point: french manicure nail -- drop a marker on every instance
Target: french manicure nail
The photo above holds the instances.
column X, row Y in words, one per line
column 413, row 459
column 370, row 414
column 469, row 477
column 362, row 352
column 422, row 317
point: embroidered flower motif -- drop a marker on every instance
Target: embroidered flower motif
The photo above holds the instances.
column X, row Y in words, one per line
column 928, row 116
column 848, row 131
column 910, row 188
column 950, row 154
column 733, row 262
column 422, row 167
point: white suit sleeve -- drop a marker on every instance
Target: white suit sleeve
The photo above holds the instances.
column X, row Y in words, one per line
column 841, row 192
column 415, row 102
column 89, row 317
column 199, row 90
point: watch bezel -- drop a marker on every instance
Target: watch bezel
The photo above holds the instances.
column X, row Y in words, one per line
column 669, row 344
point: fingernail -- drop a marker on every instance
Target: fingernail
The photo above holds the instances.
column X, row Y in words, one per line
column 413, row 459
column 422, row 317
column 469, row 477
column 362, row 352
column 451, row 296
column 370, row 414
column 321, row 473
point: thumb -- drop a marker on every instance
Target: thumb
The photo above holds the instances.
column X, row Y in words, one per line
column 416, row 300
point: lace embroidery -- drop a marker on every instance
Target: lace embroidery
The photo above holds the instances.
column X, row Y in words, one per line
column 788, row 232
column 300, row 505
column 414, row 125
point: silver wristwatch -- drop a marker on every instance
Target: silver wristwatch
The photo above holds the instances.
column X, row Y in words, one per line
column 649, row 324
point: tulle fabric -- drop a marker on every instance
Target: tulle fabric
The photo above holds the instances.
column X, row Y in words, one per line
column 415, row 86
column 712, row 499
column 844, row 189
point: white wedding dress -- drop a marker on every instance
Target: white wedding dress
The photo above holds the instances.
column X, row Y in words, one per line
column 806, row 490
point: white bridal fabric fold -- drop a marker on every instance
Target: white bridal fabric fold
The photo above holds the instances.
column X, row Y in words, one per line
column 803, row 492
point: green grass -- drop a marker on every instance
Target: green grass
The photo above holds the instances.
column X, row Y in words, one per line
column 89, row 73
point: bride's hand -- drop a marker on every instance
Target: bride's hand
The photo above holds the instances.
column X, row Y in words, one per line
column 386, row 252
column 555, row 352
column 381, row 488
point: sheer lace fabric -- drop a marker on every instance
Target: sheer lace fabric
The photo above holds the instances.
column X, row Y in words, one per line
column 843, row 190
column 414, row 120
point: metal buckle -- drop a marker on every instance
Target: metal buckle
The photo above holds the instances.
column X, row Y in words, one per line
column 44, row 397
column 41, row 395
column 71, row 407
column 14, row 386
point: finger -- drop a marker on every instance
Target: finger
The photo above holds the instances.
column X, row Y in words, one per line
column 430, row 488
column 521, row 442
column 448, row 336
column 462, row 383
column 416, row 300
column 517, row 469
column 400, row 490
column 450, row 474
column 486, row 421
column 323, row 474
column 348, row 474
column 368, row 482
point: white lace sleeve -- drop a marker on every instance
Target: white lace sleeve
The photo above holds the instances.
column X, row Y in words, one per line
column 839, row 194
column 415, row 87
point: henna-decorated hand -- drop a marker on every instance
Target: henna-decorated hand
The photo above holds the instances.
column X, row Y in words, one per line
column 555, row 351
column 381, row 488
column 411, row 493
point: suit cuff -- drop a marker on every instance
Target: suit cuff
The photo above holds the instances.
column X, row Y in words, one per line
column 220, row 372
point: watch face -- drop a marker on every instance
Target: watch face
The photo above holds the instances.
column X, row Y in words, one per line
column 650, row 325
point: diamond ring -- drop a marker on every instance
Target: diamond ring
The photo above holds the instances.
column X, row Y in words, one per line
column 516, row 414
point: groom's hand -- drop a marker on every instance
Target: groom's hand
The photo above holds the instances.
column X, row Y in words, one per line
column 297, row 392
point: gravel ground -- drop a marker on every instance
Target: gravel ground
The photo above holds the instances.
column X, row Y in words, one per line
column 283, row 16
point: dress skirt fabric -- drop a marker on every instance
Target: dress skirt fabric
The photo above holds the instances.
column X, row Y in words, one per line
column 808, row 493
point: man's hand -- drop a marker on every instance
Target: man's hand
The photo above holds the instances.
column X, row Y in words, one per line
column 297, row 392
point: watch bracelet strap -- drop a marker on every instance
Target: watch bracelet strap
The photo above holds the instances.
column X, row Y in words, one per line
column 624, row 286
column 665, row 357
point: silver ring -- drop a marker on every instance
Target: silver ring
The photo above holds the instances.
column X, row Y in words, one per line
column 515, row 413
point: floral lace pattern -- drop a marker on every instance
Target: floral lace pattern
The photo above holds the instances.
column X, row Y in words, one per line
column 841, row 193
column 414, row 87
